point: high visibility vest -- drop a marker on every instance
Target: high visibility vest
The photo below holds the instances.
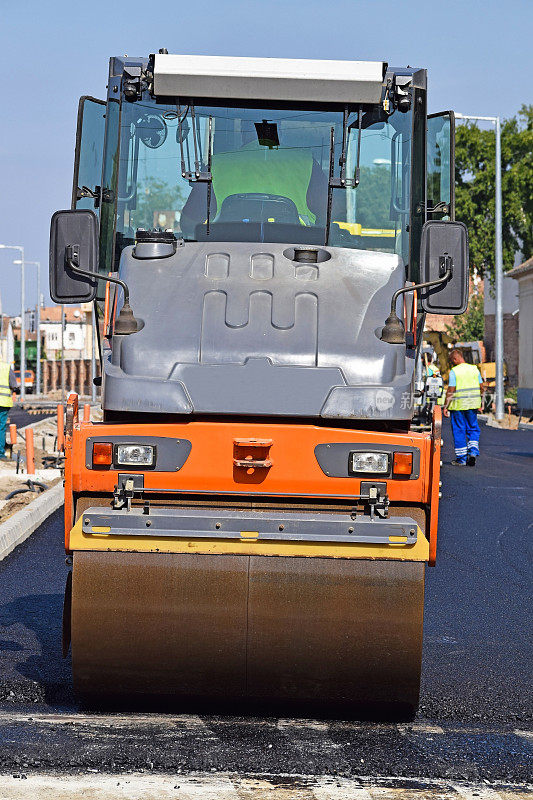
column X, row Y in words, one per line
column 467, row 392
column 263, row 170
column 6, row 399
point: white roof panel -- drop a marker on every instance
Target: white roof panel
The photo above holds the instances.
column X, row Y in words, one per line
column 285, row 79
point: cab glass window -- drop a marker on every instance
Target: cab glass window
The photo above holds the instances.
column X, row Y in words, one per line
column 440, row 157
column 270, row 172
column 89, row 152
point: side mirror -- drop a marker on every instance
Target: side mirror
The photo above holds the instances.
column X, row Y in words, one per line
column 443, row 248
column 76, row 230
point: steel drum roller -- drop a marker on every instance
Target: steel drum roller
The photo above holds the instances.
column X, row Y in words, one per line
column 259, row 627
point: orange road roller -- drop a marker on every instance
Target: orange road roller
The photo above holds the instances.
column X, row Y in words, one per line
column 258, row 242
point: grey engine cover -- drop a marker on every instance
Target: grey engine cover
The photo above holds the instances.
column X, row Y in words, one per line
column 239, row 328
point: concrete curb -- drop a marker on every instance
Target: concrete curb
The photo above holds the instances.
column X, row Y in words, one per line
column 23, row 523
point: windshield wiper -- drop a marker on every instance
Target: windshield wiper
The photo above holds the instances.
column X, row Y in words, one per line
column 199, row 174
column 342, row 182
column 358, row 157
column 330, row 179
column 210, row 182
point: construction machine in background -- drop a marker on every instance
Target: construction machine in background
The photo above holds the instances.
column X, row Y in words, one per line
column 253, row 516
column 441, row 344
column 29, row 379
column 428, row 387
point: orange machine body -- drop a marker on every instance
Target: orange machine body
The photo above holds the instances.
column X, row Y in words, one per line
column 285, row 452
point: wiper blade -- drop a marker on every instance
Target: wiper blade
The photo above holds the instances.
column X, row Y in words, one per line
column 181, row 120
column 199, row 174
column 359, row 131
column 342, row 182
column 210, row 181
column 330, row 180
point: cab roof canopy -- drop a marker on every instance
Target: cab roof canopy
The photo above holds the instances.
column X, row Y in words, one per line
column 284, row 79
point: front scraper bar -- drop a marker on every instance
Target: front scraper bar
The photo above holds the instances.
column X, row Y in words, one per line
column 193, row 523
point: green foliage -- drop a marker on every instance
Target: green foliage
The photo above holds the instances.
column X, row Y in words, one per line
column 373, row 197
column 511, row 393
column 475, row 189
column 157, row 197
column 469, row 326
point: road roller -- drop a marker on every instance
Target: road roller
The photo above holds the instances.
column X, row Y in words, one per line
column 257, row 242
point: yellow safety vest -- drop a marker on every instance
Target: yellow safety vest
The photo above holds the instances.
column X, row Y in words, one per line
column 6, row 398
column 467, row 392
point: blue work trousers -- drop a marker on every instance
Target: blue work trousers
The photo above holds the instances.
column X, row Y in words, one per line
column 465, row 429
column 4, row 412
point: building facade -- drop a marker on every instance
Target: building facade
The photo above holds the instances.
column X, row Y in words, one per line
column 510, row 326
column 77, row 338
column 523, row 275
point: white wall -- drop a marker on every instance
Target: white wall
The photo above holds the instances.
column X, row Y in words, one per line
column 509, row 299
column 74, row 338
column 525, row 336
column 7, row 346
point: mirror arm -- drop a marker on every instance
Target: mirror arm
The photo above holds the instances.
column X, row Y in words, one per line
column 445, row 277
column 125, row 322
column 394, row 330
column 72, row 256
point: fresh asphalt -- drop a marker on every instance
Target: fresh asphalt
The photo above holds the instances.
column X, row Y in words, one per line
column 20, row 417
column 474, row 721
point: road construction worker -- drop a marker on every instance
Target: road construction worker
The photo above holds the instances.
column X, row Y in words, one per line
column 8, row 385
column 463, row 401
column 261, row 166
column 433, row 371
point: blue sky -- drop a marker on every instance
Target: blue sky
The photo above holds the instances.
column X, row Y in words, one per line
column 478, row 55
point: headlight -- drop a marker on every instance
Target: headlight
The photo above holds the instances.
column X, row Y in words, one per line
column 377, row 463
column 137, row 455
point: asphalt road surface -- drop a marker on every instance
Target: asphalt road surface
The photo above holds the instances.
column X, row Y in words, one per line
column 474, row 722
column 20, row 417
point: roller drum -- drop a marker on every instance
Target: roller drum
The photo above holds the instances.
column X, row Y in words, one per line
column 320, row 630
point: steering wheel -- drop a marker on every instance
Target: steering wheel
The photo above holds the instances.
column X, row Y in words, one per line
column 257, row 207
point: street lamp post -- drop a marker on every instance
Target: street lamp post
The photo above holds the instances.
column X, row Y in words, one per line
column 498, row 265
column 37, row 323
column 22, row 319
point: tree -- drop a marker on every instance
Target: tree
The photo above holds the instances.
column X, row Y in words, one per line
column 155, row 196
column 469, row 326
column 475, row 188
column 373, row 197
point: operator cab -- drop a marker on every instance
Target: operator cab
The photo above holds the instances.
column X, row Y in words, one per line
column 252, row 166
column 341, row 163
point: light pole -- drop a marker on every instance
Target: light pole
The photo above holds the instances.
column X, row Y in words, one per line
column 498, row 265
column 22, row 319
column 37, row 323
